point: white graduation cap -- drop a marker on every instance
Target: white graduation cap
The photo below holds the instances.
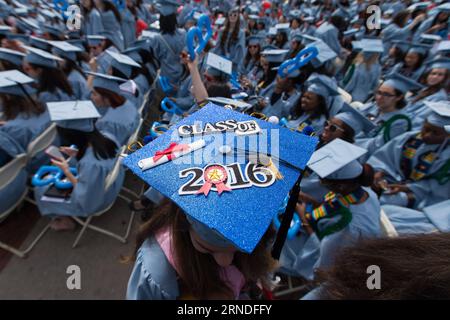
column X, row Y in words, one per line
column 236, row 103
column 334, row 156
column 219, row 63
column 72, row 110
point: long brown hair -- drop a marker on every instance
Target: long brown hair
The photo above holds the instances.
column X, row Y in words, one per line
column 429, row 90
column 234, row 36
column 412, row 267
column 199, row 272
column 114, row 98
column 13, row 105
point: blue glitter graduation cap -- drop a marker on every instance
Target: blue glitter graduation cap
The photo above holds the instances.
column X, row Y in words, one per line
column 250, row 194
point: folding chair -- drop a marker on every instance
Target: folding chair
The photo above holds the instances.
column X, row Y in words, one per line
column 9, row 173
column 387, row 227
column 109, row 181
column 347, row 97
column 41, row 142
column 357, row 104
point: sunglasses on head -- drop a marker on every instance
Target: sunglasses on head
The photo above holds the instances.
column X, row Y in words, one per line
column 332, row 127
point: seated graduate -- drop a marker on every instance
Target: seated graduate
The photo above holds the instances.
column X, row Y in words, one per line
column 120, row 117
column 387, row 112
column 412, row 65
column 433, row 218
column 435, row 80
column 313, row 107
column 11, row 59
column 75, row 75
column 128, row 23
column 96, row 156
column 363, row 76
column 195, row 246
column 402, row 262
column 52, row 83
column 250, row 66
column 413, row 169
column 111, row 21
column 350, row 212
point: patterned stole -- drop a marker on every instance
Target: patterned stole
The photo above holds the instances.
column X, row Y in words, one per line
column 425, row 160
column 334, row 205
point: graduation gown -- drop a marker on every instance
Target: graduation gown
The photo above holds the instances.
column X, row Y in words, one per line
column 88, row 195
column 234, row 52
column 93, row 23
column 128, row 25
column 112, row 26
column 418, row 111
column 363, row 81
column 330, row 35
column 79, row 85
column 414, row 75
column 304, row 253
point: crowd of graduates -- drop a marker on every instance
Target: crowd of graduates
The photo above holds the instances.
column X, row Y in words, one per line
column 375, row 98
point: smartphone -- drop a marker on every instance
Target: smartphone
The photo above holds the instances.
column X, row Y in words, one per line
column 53, row 152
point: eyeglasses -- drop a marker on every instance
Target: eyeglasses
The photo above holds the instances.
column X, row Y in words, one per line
column 332, row 127
column 384, row 94
column 233, row 14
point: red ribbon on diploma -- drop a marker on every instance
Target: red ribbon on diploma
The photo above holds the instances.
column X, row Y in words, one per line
column 173, row 147
column 214, row 175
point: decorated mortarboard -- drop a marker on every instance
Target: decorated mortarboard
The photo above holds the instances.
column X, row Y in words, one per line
column 219, row 64
column 440, row 116
column 275, row 55
column 167, row 7
column 325, row 53
column 78, row 114
column 41, row 58
column 226, row 184
column 337, row 160
column 106, row 81
column 95, row 40
column 39, row 43
column 16, row 83
column 65, row 49
column 439, row 63
column 401, row 83
column 322, row 85
column 237, row 105
column 123, row 63
column 355, row 119
column 12, row 56
column 437, row 213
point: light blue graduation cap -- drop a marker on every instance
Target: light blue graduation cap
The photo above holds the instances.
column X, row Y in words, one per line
column 443, row 46
column 15, row 83
column 12, row 56
column 123, row 63
column 419, row 6
column 445, row 7
column 322, row 85
column 77, row 114
column 227, row 204
column 401, row 83
column 78, row 43
column 440, row 116
column 54, row 31
column 18, row 36
column 438, row 215
column 41, row 58
column 337, row 160
column 253, row 17
column 218, row 66
column 324, row 55
column 295, row 14
column 106, row 81
column 350, row 32
column 371, row 45
column 282, row 27
column 4, row 30
column 275, row 55
column 95, row 40
column 133, row 53
column 355, row 119
column 254, row 40
column 439, row 63
column 65, row 50
column 167, row 7
column 421, row 48
column 39, row 43
column 429, row 38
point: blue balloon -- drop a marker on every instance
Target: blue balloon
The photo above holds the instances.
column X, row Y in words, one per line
column 203, row 23
column 165, row 85
column 168, row 105
column 293, row 229
column 61, row 6
column 302, row 58
column 157, row 129
column 51, row 174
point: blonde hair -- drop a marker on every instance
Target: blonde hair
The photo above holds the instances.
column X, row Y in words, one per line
column 361, row 59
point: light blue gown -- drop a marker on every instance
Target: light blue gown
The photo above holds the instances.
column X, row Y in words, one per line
column 93, row 23
column 128, row 27
column 427, row 190
column 234, row 52
column 167, row 49
column 363, row 81
column 329, row 34
column 152, row 278
column 418, row 111
column 316, row 123
column 414, row 75
column 283, row 106
column 56, row 96
column 104, row 60
column 393, row 32
column 302, row 254
column 88, row 195
column 375, row 139
column 112, row 26
column 119, row 122
column 79, row 85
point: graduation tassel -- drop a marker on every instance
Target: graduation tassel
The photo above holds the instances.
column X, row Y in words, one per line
column 272, row 167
